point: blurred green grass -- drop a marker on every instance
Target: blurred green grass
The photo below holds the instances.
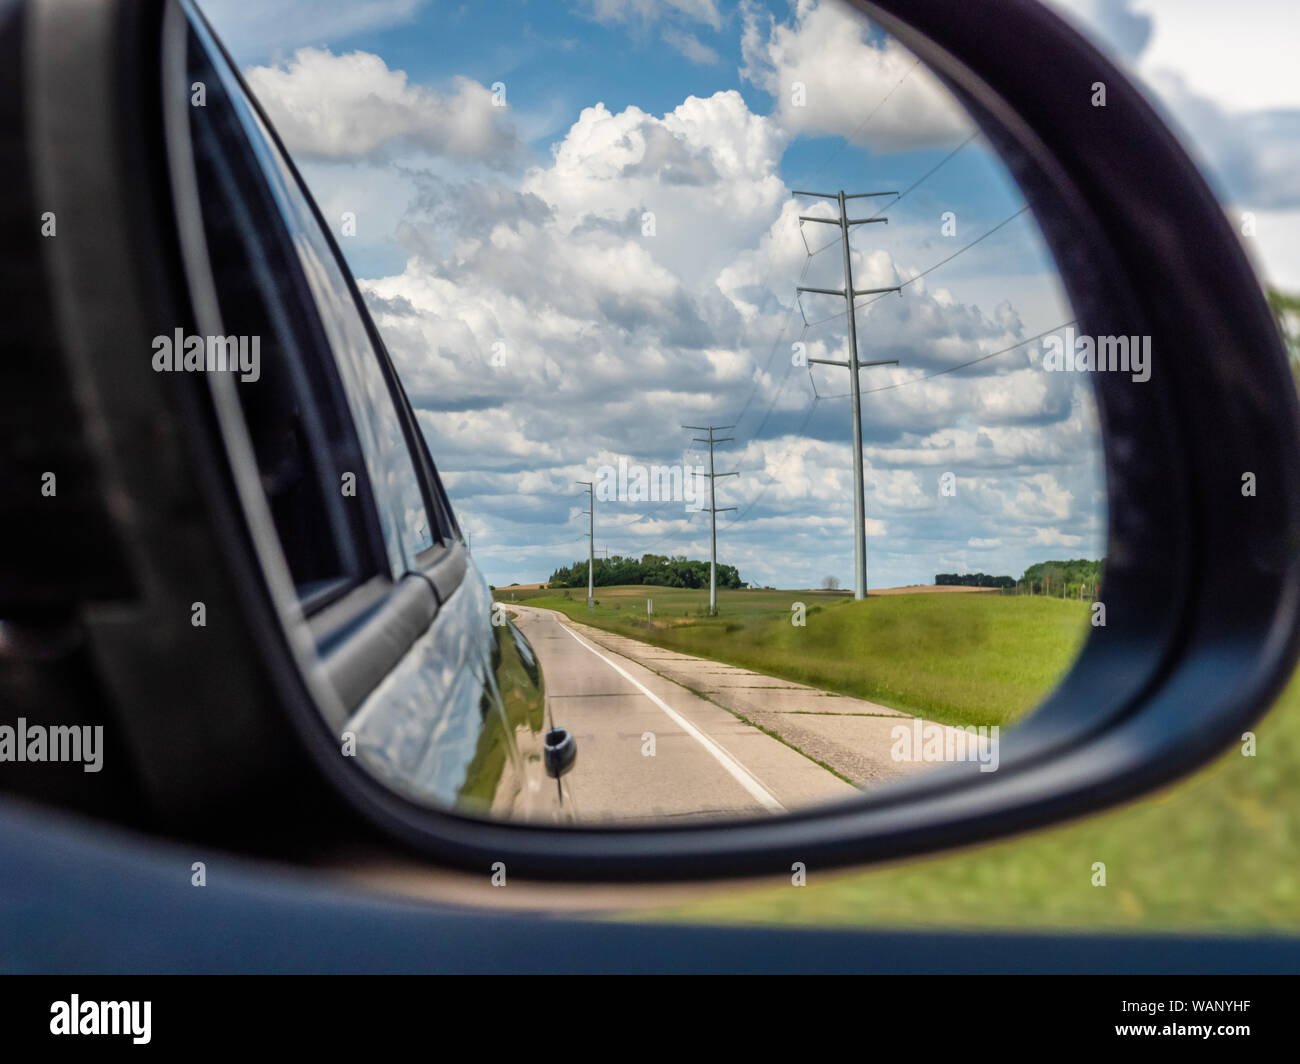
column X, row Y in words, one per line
column 1219, row 851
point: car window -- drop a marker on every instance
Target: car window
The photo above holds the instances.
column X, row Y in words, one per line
column 291, row 399
column 403, row 518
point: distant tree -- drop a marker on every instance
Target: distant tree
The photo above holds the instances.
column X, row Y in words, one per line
column 1057, row 576
column 830, row 583
column 657, row 570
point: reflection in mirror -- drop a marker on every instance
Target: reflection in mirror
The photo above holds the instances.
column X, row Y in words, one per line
column 753, row 544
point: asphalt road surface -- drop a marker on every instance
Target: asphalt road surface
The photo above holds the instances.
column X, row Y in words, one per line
column 650, row 749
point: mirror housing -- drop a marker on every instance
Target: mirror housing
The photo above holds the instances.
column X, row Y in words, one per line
column 561, row 752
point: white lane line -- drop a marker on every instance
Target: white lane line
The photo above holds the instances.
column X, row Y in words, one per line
column 761, row 794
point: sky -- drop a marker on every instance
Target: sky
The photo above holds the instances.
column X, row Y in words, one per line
column 575, row 228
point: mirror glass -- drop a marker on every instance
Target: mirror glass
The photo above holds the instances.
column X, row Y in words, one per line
column 607, row 247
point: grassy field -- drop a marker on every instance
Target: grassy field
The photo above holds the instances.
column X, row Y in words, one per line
column 955, row 658
column 1217, row 852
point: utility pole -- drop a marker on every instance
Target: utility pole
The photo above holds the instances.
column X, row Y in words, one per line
column 849, row 294
column 591, row 542
column 713, row 504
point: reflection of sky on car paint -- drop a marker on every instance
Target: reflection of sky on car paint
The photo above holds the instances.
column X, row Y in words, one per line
column 419, row 729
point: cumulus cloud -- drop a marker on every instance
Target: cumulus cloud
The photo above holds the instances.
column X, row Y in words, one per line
column 708, row 159
column 352, row 106
column 553, row 317
column 827, row 68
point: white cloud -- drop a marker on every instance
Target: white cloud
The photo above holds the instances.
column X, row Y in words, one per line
column 709, row 158
column 1227, row 85
column 609, row 340
column 691, row 46
column 1243, row 61
column 597, row 365
column 826, row 70
column 540, row 332
column 1051, row 537
column 353, row 106
column 1254, row 157
column 705, row 11
column 252, row 30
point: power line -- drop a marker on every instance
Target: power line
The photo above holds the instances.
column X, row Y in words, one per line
column 812, row 406
column 930, row 269
column 776, row 397
column 810, row 255
column 863, row 124
column 960, row 365
column 822, row 166
column 753, row 391
column 889, row 387
column 763, row 491
column 929, row 173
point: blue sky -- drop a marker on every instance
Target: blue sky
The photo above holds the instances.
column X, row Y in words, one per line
column 542, row 332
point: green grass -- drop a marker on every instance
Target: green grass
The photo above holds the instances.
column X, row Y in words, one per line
column 955, row 658
column 1219, row 852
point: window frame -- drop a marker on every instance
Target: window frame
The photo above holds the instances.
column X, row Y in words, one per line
column 319, row 380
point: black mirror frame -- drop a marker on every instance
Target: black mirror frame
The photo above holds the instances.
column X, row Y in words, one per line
column 1203, row 583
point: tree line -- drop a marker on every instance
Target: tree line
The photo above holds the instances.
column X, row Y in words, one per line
column 973, row 580
column 1042, row 578
column 1051, row 576
column 657, row 570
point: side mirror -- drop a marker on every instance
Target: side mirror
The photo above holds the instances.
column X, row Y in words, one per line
column 223, row 721
column 561, row 751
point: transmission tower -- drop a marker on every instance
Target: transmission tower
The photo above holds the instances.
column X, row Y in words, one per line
column 849, row 294
column 713, row 504
column 591, row 542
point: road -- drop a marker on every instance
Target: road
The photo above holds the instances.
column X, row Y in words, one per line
column 650, row 749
